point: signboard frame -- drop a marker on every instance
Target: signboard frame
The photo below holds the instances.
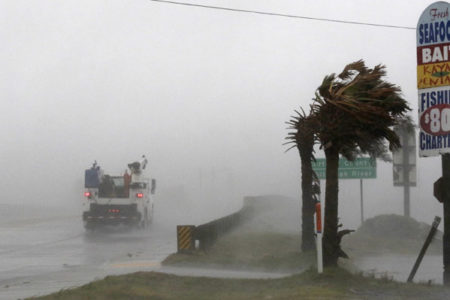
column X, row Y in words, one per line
column 404, row 159
column 360, row 168
column 433, row 79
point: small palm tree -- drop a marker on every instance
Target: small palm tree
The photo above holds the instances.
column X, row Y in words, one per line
column 303, row 138
column 356, row 110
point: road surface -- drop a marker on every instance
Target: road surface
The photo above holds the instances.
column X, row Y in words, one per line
column 43, row 255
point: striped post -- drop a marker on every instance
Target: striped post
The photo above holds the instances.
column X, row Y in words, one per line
column 319, row 237
column 185, row 238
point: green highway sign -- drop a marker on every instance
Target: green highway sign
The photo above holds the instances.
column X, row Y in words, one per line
column 360, row 168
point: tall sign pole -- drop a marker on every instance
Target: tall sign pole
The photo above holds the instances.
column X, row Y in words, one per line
column 433, row 82
column 404, row 163
column 446, row 202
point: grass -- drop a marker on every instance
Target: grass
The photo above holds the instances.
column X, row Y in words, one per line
column 262, row 251
column 333, row 284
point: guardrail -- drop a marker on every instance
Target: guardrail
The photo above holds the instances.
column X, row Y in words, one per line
column 207, row 234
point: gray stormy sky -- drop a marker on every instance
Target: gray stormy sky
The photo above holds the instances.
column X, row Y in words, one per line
column 204, row 93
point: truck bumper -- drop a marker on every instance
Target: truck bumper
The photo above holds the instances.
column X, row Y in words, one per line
column 112, row 215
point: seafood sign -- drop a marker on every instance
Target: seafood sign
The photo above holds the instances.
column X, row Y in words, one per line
column 433, row 79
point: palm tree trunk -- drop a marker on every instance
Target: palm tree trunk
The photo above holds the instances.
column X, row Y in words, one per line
column 308, row 204
column 330, row 238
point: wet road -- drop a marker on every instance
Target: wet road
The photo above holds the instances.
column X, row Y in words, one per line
column 40, row 256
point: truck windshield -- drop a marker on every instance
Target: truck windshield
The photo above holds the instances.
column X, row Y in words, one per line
column 118, row 181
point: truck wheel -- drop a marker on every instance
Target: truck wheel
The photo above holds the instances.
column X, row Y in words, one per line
column 141, row 225
column 150, row 217
column 146, row 220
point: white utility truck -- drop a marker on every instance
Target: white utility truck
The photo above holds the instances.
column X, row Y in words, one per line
column 113, row 200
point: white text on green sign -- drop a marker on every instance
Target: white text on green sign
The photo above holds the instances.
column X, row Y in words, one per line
column 360, row 168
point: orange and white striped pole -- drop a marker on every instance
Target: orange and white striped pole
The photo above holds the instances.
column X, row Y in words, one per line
column 319, row 237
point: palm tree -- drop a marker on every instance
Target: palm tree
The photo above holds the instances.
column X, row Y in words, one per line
column 303, row 138
column 356, row 110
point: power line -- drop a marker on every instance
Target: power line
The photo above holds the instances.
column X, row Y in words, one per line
column 281, row 15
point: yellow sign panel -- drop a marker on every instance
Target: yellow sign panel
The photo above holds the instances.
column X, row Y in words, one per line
column 185, row 237
column 433, row 75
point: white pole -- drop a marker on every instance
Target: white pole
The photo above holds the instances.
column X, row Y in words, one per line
column 319, row 253
column 319, row 237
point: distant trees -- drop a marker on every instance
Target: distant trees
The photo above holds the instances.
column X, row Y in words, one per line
column 353, row 113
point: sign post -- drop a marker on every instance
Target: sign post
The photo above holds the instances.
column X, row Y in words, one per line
column 433, row 83
column 362, row 202
column 404, row 163
column 446, row 202
column 361, row 168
